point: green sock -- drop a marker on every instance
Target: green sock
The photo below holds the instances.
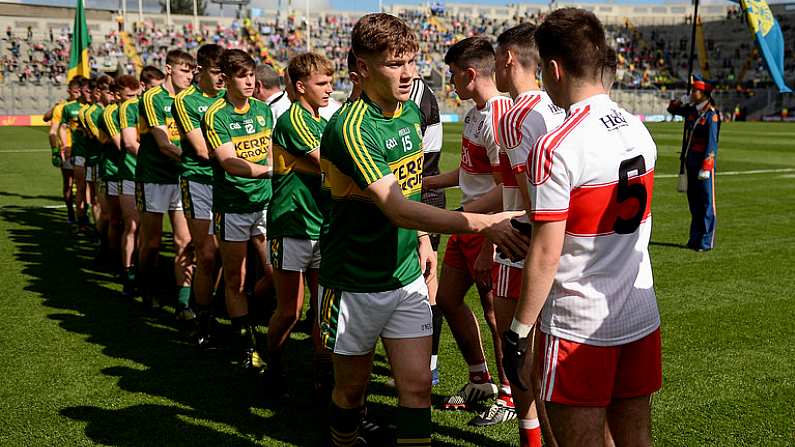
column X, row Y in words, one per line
column 183, row 296
column 413, row 427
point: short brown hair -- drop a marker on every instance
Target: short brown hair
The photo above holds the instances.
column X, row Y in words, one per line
column 75, row 82
column 151, row 73
column 209, row 56
column 473, row 52
column 305, row 64
column 576, row 39
column 521, row 42
column 180, row 57
column 234, row 61
column 104, row 82
column 382, row 33
column 127, row 81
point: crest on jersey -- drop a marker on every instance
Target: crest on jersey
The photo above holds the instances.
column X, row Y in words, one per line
column 261, row 120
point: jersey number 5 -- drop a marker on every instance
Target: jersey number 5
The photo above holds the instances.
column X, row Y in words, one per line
column 628, row 191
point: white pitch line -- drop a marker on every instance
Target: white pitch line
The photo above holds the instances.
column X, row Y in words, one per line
column 720, row 173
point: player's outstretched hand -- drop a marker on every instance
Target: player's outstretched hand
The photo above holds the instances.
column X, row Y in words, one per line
column 515, row 358
column 511, row 242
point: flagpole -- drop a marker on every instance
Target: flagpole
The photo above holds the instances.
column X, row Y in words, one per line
column 196, row 17
column 168, row 14
column 690, row 58
column 141, row 13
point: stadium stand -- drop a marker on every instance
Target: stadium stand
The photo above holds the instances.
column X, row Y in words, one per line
column 652, row 43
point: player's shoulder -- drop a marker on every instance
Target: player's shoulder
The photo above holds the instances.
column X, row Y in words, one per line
column 216, row 110
column 411, row 107
column 499, row 105
column 184, row 93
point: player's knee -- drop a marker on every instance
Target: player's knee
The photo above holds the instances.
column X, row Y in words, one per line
column 415, row 389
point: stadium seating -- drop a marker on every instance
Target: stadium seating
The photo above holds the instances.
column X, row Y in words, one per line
column 652, row 43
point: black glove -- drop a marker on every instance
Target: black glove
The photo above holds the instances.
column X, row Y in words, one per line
column 514, row 356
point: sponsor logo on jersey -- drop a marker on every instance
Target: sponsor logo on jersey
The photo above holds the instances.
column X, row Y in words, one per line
column 391, row 143
column 408, row 171
column 253, row 148
column 173, row 129
column 202, row 109
column 167, row 108
column 613, row 120
column 235, row 126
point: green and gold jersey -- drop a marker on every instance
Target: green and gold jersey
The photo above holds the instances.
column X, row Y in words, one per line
column 295, row 207
column 249, row 129
column 362, row 250
column 326, row 203
column 128, row 117
column 113, row 158
column 94, row 147
column 153, row 166
column 71, row 117
column 191, row 104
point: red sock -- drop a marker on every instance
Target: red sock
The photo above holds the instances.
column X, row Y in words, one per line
column 529, row 433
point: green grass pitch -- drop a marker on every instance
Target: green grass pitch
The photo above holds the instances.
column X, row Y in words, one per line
column 79, row 365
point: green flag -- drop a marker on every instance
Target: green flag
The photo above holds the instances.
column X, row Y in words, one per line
column 81, row 40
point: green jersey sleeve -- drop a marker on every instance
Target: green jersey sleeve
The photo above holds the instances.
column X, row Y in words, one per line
column 294, row 134
column 153, row 113
column 216, row 130
column 128, row 113
column 187, row 114
column 368, row 160
column 110, row 119
column 92, row 116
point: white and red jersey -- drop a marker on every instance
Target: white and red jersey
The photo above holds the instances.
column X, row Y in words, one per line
column 480, row 154
column 596, row 171
column 532, row 115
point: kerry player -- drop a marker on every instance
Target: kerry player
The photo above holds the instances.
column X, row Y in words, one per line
column 238, row 131
column 294, row 216
column 129, row 126
column 197, row 176
column 157, row 176
column 372, row 284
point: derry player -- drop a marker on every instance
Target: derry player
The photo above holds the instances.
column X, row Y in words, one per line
column 588, row 271
column 468, row 258
column 532, row 115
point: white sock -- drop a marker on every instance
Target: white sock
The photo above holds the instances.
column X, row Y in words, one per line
column 434, row 360
column 505, row 390
column 480, row 367
column 528, row 424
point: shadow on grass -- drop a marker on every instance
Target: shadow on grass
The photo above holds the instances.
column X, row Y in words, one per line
column 212, row 403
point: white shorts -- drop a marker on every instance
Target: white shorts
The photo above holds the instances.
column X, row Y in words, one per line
column 294, row 255
column 157, row 198
column 127, row 188
column 197, row 199
column 351, row 322
column 91, row 174
column 233, row 227
column 67, row 164
column 79, row 161
column 113, row 188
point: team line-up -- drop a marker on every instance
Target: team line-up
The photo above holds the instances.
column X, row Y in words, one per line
column 274, row 193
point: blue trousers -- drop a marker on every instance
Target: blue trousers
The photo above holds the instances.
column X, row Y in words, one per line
column 701, row 200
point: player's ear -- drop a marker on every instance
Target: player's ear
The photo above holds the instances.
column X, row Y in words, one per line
column 300, row 87
column 471, row 74
column 508, row 57
column 361, row 68
column 556, row 69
